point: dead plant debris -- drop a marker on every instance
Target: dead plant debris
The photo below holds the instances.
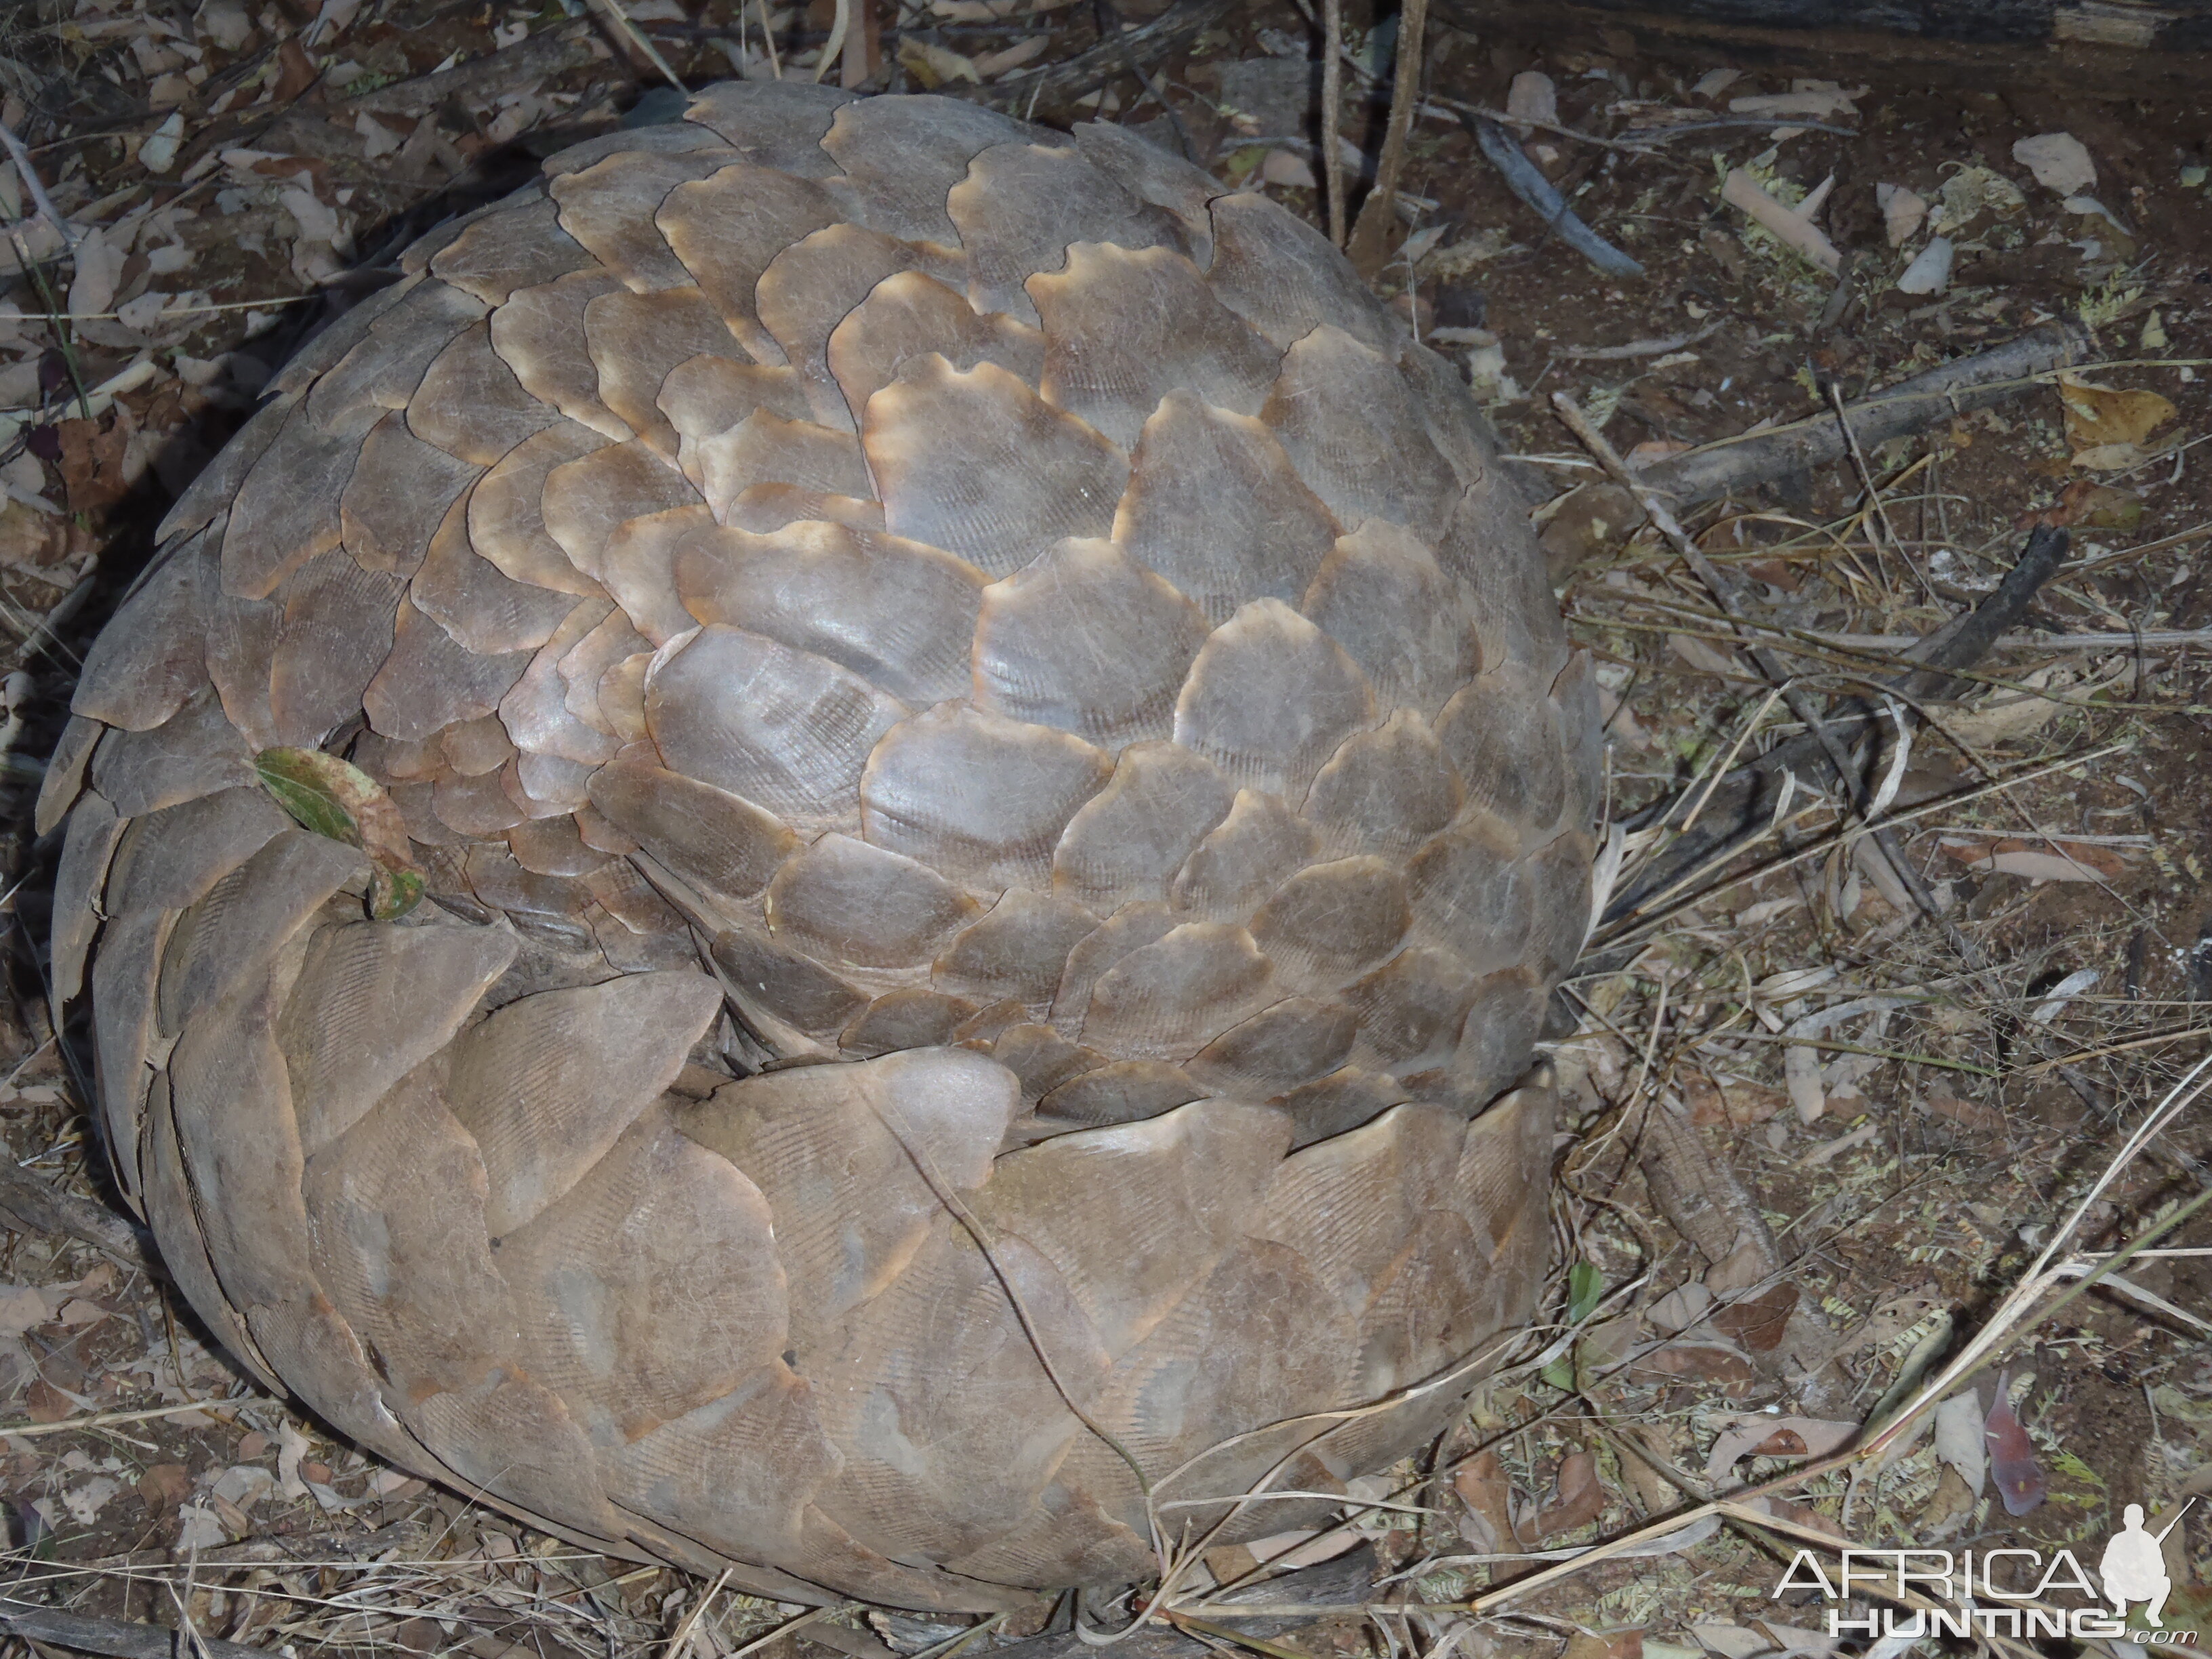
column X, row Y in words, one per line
column 1848, row 1139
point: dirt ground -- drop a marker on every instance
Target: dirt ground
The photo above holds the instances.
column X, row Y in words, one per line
column 1815, row 1140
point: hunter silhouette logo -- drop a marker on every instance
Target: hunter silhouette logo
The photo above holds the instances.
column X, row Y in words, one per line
column 2017, row 1592
column 2133, row 1566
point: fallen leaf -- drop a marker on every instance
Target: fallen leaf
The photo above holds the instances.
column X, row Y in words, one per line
column 296, row 72
column 1605, row 1644
column 1482, row 1486
column 157, row 152
column 1758, row 1322
column 1930, row 269
column 1761, row 1436
column 934, row 65
column 225, row 22
column 1959, row 1441
column 1902, row 212
column 91, row 460
column 2090, row 505
column 29, row 538
column 379, row 140
column 2060, row 160
column 199, row 1528
column 1951, row 1503
column 47, row 1403
column 1967, row 1114
column 99, row 256
column 292, row 1450
column 2020, row 1478
column 1760, row 1636
column 993, row 64
column 1803, row 1515
column 1577, row 1499
column 1680, row 1308
column 1706, row 658
column 1699, row 1362
column 85, row 1502
column 334, row 798
column 1736, row 1104
column 163, row 1486
column 2099, row 415
column 2117, row 457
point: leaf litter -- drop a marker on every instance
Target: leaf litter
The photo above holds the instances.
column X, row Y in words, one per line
column 1890, row 1127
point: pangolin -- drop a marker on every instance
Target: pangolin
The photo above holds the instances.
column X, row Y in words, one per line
column 831, row 856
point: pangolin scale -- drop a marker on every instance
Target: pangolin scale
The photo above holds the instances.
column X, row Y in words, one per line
column 1001, row 792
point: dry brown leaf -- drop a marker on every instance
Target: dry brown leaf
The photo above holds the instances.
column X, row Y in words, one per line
column 1773, row 1436
column 1736, row 1104
column 1758, row 1322
column 2099, row 416
column 47, row 1403
column 1481, row 1484
column 1578, row 1497
column 1803, row 1515
column 1701, row 1362
column 29, row 537
column 296, row 72
column 1967, row 1114
column 2067, row 860
column 1605, row 1644
column 2090, row 505
column 163, row 1486
column 1706, row 658
column 992, row 65
column 91, row 460
column 2008, row 716
column 934, row 65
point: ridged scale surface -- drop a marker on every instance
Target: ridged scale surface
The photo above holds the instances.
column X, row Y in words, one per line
column 985, row 626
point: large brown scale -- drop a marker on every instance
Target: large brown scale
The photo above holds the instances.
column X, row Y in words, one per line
column 997, row 782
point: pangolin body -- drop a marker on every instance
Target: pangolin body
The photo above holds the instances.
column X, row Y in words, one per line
column 1000, row 791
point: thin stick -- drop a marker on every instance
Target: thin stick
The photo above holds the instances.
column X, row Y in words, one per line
column 1380, row 208
column 1724, row 594
column 1523, row 179
column 1332, row 115
column 104, row 1420
column 767, row 35
column 2080, row 1054
column 29, row 174
column 679, row 1643
column 1881, row 507
column 833, row 49
column 637, row 38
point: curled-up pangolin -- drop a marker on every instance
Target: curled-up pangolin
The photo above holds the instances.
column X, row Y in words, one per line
column 995, row 793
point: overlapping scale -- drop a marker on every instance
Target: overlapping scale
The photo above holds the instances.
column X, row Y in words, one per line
column 976, row 462
column 1005, row 641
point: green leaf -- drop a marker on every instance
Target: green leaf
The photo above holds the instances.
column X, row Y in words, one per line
column 308, row 784
column 335, row 797
column 393, row 893
column 1586, row 1285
